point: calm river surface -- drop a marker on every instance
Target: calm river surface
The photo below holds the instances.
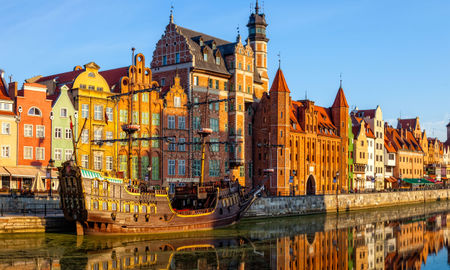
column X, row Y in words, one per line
column 407, row 237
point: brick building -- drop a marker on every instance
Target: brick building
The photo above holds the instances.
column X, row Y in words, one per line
column 307, row 145
column 212, row 69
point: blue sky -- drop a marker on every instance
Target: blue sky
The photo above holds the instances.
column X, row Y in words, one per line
column 395, row 54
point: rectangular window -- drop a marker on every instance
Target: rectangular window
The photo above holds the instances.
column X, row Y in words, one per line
column 171, row 121
column 27, row 152
column 177, row 58
column 196, row 167
column 177, row 102
column 144, row 167
column 109, row 136
column 217, row 84
column 217, row 106
column 63, row 112
column 136, row 97
column 197, row 145
column 58, row 154
column 98, row 161
column 98, row 133
column 91, row 87
column 68, row 133
column 214, row 146
column 205, row 57
column 181, row 122
column 225, row 86
column 40, row 153
column 145, row 118
column 155, row 168
column 155, row 119
column 195, row 80
column 98, row 112
column 172, row 147
column 85, row 161
column 144, row 97
column 210, row 83
column 250, row 129
column 250, row 170
column 164, row 60
column 171, row 165
column 214, row 124
column 135, row 167
column 217, row 60
column 68, row 154
column 182, row 146
column 163, row 82
column 84, row 110
column 214, row 168
column 181, row 167
column 155, row 143
column 58, row 133
column 5, row 151
column 242, row 171
column 135, row 119
column 197, row 125
column 85, row 136
column 40, row 131
column 28, row 130
column 123, row 163
column 6, row 128
column 109, row 114
column 123, row 116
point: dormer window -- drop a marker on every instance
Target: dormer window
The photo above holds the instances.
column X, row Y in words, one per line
column 205, row 56
column 213, row 45
column 201, row 42
column 6, row 107
column 217, row 60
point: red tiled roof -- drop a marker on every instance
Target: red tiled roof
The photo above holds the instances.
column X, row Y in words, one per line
column 62, row 78
column 340, row 100
column 388, row 145
column 3, row 93
column 369, row 132
column 407, row 141
column 364, row 113
column 113, row 76
column 279, row 83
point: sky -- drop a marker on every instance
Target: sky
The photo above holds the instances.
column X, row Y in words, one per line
column 395, row 54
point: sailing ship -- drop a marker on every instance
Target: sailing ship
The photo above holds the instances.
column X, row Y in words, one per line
column 100, row 204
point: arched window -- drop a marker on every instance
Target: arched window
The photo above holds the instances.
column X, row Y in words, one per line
column 34, row 111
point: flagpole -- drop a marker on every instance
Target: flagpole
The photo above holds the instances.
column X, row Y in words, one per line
column 73, row 141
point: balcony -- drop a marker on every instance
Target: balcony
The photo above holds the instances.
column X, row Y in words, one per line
column 235, row 163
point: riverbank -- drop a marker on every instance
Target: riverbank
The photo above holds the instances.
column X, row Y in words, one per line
column 315, row 204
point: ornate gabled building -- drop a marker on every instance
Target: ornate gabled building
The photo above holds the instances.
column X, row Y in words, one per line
column 306, row 145
column 8, row 130
column 213, row 69
column 360, row 153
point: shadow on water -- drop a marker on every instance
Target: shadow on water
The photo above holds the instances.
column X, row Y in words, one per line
column 390, row 238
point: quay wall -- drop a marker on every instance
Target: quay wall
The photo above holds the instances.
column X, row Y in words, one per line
column 304, row 205
column 34, row 224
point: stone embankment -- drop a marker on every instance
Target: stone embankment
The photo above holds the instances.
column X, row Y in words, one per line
column 34, row 224
column 303, row 205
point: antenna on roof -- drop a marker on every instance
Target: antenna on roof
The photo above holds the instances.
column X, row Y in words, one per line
column 279, row 60
column 263, row 7
column 257, row 8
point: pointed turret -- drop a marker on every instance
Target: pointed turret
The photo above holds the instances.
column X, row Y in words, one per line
column 279, row 83
column 340, row 100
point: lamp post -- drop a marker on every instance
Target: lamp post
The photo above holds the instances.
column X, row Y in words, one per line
column 50, row 166
column 337, row 188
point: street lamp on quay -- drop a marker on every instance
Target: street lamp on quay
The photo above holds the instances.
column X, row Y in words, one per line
column 50, row 166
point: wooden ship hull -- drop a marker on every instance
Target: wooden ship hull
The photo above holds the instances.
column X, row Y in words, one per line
column 105, row 205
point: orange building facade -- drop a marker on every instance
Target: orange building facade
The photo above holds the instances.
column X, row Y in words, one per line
column 305, row 144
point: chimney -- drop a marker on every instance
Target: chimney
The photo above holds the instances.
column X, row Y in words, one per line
column 12, row 89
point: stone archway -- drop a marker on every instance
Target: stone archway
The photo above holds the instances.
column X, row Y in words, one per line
column 311, row 186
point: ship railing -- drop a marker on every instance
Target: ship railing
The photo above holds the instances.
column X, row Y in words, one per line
column 161, row 192
column 194, row 212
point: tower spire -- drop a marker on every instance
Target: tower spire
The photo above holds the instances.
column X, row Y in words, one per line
column 256, row 8
column 171, row 14
column 340, row 80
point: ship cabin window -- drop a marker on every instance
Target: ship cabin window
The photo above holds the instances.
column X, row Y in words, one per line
column 144, row 209
column 95, row 204
column 127, row 208
column 104, row 206
column 114, row 206
column 95, row 184
column 136, row 208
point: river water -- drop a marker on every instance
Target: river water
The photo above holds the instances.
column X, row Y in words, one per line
column 406, row 237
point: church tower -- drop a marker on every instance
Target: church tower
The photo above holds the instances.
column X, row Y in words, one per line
column 258, row 41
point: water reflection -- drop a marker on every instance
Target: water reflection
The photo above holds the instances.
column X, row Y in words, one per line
column 400, row 238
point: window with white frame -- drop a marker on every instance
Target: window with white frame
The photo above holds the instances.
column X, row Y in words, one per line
column 104, row 206
column 84, row 110
column 145, row 118
column 6, row 128
column 68, row 133
column 40, row 153
column 57, row 155
column 5, row 107
column 171, row 166
column 85, row 136
column 85, row 161
column 40, row 131
column 68, row 154
column 28, row 130
column 27, row 152
column 195, row 80
column 109, row 163
column 98, row 112
column 114, row 206
column 181, row 167
column 5, row 151
column 155, row 119
column 181, row 122
column 109, row 136
column 63, row 112
column 214, row 124
column 171, row 120
column 144, row 97
column 34, row 111
column 109, row 114
column 98, row 133
column 98, row 161
column 177, row 101
column 58, row 133
column 181, row 145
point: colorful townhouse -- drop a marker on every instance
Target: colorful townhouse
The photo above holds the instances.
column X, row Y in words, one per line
column 63, row 111
column 351, row 136
column 305, row 144
column 8, row 133
column 360, row 153
column 210, row 69
column 389, row 164
column 374, row 118
column 34, row 133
